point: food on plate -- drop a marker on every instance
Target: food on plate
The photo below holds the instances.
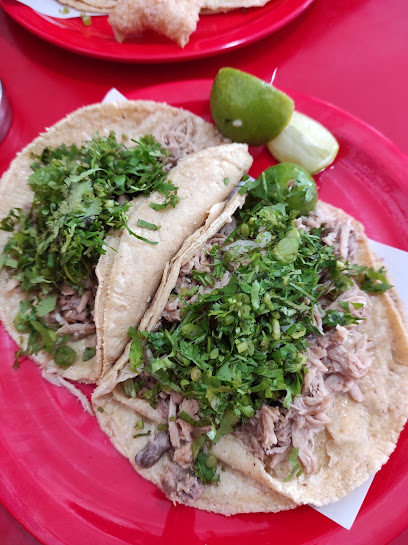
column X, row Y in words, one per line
column 90, row 6
column 306, row 142
column 246, row 109
column 95, row 186
column 271, row 368
column 204, row 181
column 174, row 19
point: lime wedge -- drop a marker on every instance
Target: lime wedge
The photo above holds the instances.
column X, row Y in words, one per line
column 246, row 109
column 305, row 142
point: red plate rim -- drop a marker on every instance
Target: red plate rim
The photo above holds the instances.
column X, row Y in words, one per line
column 271, row 18
column 385, row 501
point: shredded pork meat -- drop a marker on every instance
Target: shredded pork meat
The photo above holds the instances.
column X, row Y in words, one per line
column 335, row 363
column 74, row 312
column 201, row 262
column 182, row 138
column 179, row 484
column 341, row 236
column 179, row 481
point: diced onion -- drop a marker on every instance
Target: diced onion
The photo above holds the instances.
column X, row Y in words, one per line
column 242, row 246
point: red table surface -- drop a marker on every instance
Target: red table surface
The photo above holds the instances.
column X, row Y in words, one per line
column 352, row 53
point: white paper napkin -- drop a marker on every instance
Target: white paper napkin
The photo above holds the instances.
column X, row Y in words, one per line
column 345, row 511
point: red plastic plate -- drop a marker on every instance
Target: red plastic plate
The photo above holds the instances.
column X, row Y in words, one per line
column 64, row 481
column 215, row 33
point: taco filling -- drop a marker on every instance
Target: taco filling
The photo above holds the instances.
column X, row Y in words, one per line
column 80, row 193
column 259, row 334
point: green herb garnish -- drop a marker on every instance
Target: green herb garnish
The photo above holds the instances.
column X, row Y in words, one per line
column 46, row 305
column 205, row 468
column 203, row 278
column 162, row 427
column 136, row 355
column 247, row 342
column 76, row 202
column 147, row 225
column 40, row 336
column 142, row 434
column 337, row 317
column 244, row 345
column 296, row 466
column 89, row 353
column 375, row 281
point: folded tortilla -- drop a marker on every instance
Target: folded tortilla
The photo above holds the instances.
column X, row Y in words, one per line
column 357, row 440
column 204, row 180
column 175, row 19
column 179, row 131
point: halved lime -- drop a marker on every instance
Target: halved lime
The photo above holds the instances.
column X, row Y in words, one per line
column 306, row 142
column 246, row 109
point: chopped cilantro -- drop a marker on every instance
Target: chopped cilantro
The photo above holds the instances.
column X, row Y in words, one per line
column 338, row 317
column 375, row 281
column 64, row 356
column 198, row 445
column 248, row 339
column 243, row 345
column 79, row 195
column 40, row 336
column 46, row 305
column 162, row 427
column 346, row 305
column 196, row 423
column 204, row 473
column 202, row 277
column 89, row 353
column 142, row 434
column 227, row 424
column 170, row 192
column 296, row 466
column 371, row 280
column 147, row 225
column 75, row 203
column 136, row 356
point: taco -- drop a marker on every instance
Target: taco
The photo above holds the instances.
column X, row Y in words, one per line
column 270, row 370
column 175, row 19
column 71, row 195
